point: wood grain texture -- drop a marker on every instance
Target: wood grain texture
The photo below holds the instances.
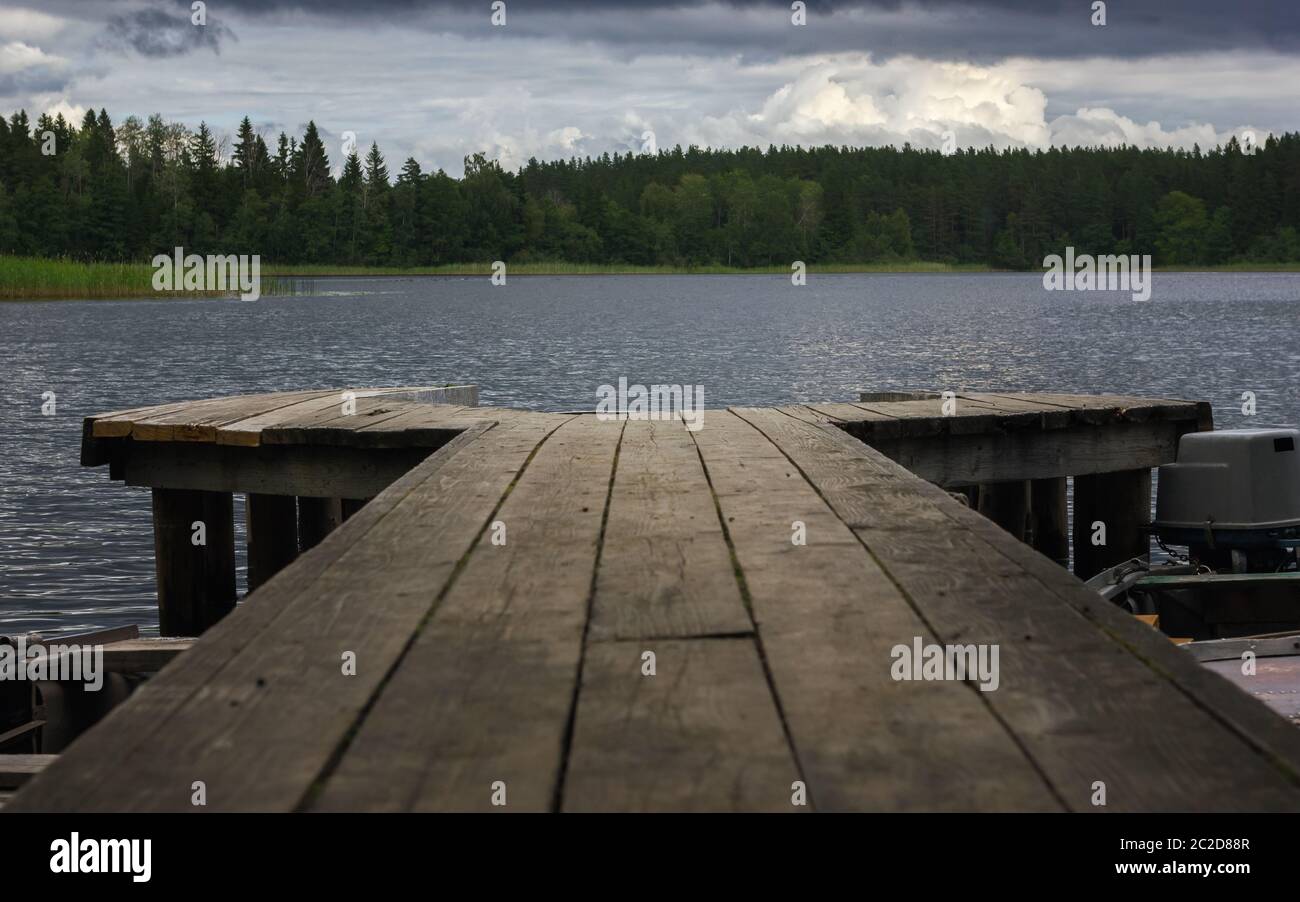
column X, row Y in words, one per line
column 810, row 413
column 251, row 420
column 327, row 409
column 257, row 708
column 702, row 734
column 521, row 662
column 199, row 421
column 665, row 569
column 327, row 470
column 952, row 460
column 1086, row 707
column 485, row 692
column 332, row 426
column 828, row 618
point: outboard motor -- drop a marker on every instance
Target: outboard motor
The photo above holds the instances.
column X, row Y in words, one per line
column 1233, row 499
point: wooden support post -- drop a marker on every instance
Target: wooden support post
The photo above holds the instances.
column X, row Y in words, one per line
column 196, row 582
column 1007, row 505
column 317, row 518
column 1049, row 527
column 18, row 711
column 272, row 536
column 1113, row 507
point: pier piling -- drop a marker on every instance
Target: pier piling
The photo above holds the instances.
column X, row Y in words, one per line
column 1007, row 505
column 194, row 553
column 1049, row 525
column 1111, row 514
column 272, row 535
column 317, row 518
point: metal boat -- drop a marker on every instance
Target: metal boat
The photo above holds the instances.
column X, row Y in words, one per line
column 1227, row 587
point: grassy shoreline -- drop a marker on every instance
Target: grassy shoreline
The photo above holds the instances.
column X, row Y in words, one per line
column 30, row 278
column 43, row 279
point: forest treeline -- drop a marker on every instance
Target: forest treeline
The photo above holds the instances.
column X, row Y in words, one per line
column 126, row 192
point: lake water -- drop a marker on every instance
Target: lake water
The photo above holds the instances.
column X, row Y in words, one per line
column 76, row 550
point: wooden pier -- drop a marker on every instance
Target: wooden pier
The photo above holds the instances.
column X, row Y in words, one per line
column 499, row 610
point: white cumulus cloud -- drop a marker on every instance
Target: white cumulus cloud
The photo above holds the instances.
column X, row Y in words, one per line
column 15, row 56
column 907, row 99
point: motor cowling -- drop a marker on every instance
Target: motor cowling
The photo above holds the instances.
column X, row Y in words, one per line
column 1233, row 498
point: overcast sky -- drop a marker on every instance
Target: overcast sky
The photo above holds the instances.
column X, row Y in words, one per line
column 437, row 80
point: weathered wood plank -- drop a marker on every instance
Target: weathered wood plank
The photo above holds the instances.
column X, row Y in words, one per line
column 665, row 568
column 146, row 655
column 248, row 432
column 984, row 411
column 1081, row 697
column 1102, row 409
column 926, row 418
column 137, row 655
column 401, row 425
column 100, row 432
column 905, row 394
column 809, row 414
column 1083, row 704
column 1050, row 416
column 117, row 423
column 16, row 770
column 1264, row 732
column 256, row 716
column 702, row 734
column 429, row 423
column 865, row 741
column 486, row 690
column 320, row 471
column 199, row 421
column 996, row 456
column 844, row 488
column 334, row 426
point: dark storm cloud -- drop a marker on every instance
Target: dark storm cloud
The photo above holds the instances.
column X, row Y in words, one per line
column 976, row 30
column 31, row 81
column 435, row 80
column 159, row 33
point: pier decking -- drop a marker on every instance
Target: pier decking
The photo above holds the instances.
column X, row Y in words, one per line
column 557, row 612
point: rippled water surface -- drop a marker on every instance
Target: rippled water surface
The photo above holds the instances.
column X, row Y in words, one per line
column 76, row 550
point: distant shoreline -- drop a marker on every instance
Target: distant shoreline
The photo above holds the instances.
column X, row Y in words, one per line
column 37, row 279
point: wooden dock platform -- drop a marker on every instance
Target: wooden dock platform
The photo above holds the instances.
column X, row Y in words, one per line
column 541, row 611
